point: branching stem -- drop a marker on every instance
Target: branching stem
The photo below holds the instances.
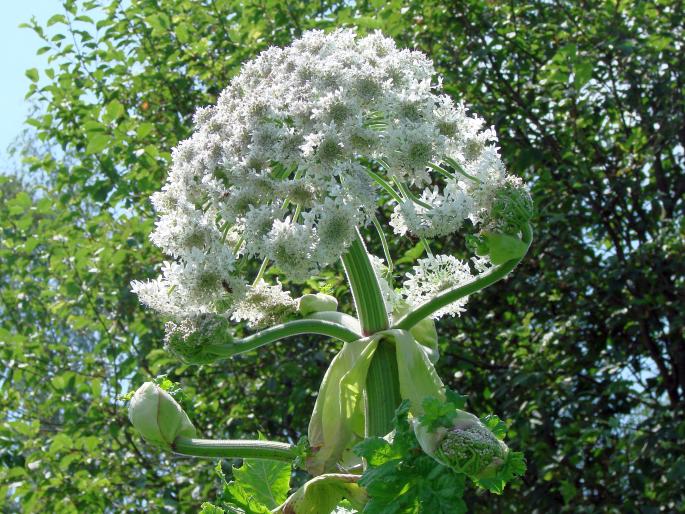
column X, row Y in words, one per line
column 234, row 449
column 288, row 329
column 426, row 309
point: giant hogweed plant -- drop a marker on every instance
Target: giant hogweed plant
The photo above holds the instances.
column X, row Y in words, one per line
column 288, row 170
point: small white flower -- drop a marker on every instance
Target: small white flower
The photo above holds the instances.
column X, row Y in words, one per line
column 264, row 305
column 290, row 245
column 434, row 275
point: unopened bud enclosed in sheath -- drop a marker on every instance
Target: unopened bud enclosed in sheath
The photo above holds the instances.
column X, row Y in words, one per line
column 158, row 417
column 319, row 302
column 468, row 446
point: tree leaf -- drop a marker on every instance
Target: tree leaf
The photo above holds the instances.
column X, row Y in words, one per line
column 32, row 74
column 97, row 142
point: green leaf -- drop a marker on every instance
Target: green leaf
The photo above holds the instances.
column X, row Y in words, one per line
column 264, row 481
column 61, row 441
column 495, row 425
column 114, row 110
column 456, row 399
column 57, row 18
column 32, row 74
column 400, row 478
column 412, row 254
column 208, row 508
column 437, row 413
column 144, row 129
column 582, row 73
column 503, row 247
column 514, row 465
column 97, row 142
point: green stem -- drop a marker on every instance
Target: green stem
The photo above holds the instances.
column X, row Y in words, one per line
column 384, row 243
column 234, row 449
column 288, row 329
column 382, row 390
column 261, row 271
column 457, row 167
column 426, row 246
column 426, row 309
column 385, row 185
column 365, row 289
column 411, row 196
column 441, row 170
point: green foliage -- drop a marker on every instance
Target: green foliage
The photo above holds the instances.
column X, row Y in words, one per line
column 401, row 478
column 258, row 486
column 585, row 361
column 437, row 413
column 514, row 466
column 264, row 480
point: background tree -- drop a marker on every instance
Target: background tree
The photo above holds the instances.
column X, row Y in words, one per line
column 582, row 350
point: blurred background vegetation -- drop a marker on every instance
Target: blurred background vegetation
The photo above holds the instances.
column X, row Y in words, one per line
column 582, row 350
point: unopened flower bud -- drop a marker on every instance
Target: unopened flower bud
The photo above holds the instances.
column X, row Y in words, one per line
column 319, row 302
column 513, row 206
column 468, row 446
column 189, row 339
column 158, row 417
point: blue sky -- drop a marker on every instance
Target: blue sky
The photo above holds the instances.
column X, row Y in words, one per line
column 17, row 54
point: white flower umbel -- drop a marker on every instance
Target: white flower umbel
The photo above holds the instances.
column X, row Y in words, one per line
column 292, row 159
column 434, row 275
column 264, row 305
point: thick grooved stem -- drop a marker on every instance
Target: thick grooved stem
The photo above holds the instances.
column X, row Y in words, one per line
column 234, row 449
column 365, row 289
column 382, row 390
column 291, row 328
column 426, row 309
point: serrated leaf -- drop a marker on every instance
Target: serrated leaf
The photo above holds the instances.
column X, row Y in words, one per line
column 240, row 501
column 411, row 482
column 495, row 425
column 437, row 414
column 376, row 451
column 266, row 481
column 208, row 508
column 514, row 465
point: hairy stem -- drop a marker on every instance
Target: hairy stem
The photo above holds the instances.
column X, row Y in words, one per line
column 365, row 289
column 288, row 329
column 426, row 309
column 234, row 449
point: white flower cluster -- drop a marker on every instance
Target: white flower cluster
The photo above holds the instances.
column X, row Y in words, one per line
column 432, row 276
column 289, row 162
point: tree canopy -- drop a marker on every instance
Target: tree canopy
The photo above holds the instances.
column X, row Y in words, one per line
column 582, row 352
